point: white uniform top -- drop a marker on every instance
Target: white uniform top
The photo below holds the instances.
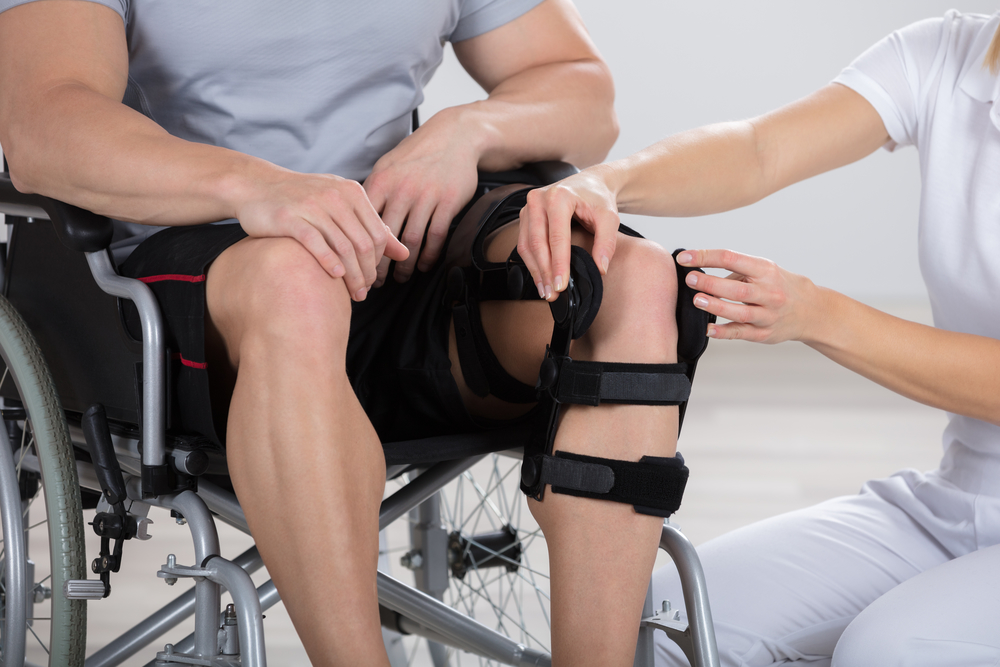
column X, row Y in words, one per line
column 928, row 83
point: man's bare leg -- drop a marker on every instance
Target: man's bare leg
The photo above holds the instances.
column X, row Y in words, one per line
column 601, row 553
column 305, row 461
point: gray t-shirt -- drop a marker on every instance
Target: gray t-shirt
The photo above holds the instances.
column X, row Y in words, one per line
column 311, row 85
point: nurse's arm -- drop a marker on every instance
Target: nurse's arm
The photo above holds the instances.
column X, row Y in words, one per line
column 67, row 135
column 957, row 372
column 705, row 170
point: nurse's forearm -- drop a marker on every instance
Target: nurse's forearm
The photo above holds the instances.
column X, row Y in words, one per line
column 697, row 172
column 729, row 165
column 952, row 371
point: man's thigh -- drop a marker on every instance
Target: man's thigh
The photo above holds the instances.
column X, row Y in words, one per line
column 785, row 588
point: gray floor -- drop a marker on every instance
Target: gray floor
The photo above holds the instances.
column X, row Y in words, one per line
column 770, row 429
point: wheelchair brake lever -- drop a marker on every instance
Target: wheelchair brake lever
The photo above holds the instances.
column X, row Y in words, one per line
column 102, row 453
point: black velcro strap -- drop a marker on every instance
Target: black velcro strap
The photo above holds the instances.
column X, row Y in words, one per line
column 577, row 475
column 596, row 382
column 482, row 371
column 653, row 485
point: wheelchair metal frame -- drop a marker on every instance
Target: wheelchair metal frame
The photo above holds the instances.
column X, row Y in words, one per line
column 421, row 614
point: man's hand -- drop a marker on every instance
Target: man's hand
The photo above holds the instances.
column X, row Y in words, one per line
column 420, row 186
column 332, row 218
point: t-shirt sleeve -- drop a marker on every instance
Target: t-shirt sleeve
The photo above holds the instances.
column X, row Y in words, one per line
column 893, row 73
column 481, row 16
column 117, row 5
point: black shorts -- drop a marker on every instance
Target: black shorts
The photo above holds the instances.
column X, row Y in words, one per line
column 397, row 354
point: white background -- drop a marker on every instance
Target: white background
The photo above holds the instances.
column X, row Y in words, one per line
column 679, row 65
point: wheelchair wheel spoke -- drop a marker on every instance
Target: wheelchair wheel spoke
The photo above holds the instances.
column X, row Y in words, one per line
column 480, row 502
column 40, row 642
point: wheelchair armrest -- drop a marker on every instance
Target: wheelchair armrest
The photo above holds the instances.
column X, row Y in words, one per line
column 78, row 229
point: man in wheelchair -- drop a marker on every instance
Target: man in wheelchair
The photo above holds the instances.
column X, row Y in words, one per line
column 294, row 345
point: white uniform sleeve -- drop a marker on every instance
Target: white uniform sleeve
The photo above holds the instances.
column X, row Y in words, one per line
column 481, row 16
column 892, row 75
column 117, row 5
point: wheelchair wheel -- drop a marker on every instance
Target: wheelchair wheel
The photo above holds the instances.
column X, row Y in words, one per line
column 36, row 438
column 497, row 561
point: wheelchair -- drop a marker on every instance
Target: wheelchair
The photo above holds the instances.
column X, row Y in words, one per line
column 85, row 424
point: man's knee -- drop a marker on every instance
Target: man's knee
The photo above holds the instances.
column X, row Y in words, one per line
column 640, row 297
column 273, row 292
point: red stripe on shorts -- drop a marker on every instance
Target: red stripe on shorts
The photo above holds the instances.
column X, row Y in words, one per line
column 189, row 363
column 174, row 276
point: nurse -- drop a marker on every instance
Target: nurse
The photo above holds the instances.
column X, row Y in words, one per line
column 907, row 572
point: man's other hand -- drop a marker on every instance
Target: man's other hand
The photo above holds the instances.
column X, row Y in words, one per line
column 420, row 186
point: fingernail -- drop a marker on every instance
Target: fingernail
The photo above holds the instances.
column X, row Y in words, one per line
column 558, row 283
column 711, row 331
column 541, row 290
column 378, row 283
column 604, row 264
column 338, row 270
column 684, row 258
column 700, row 301
column 360, row 294
column 692, row 278
column 548, row 292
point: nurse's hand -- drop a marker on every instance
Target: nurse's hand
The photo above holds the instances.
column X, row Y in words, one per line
column 420, row 186
column 546, row 221
column 764, row 303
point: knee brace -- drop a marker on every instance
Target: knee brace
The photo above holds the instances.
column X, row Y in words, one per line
column 653, row 485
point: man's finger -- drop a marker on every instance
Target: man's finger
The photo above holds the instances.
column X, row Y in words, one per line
column 314, row 241
column 437, row 234
column 412, row 237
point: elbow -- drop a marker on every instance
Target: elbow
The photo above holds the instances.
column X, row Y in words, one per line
column 19, row 169
column 16, row 173
column 603, row 118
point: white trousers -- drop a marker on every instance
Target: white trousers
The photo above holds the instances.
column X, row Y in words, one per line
column 904, row 573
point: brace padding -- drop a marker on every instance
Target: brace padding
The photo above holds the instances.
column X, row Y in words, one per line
column 653, row 485
column 596, row 382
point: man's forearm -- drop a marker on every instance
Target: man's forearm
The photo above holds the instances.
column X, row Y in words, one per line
column 79, row 146
column 561, row 111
